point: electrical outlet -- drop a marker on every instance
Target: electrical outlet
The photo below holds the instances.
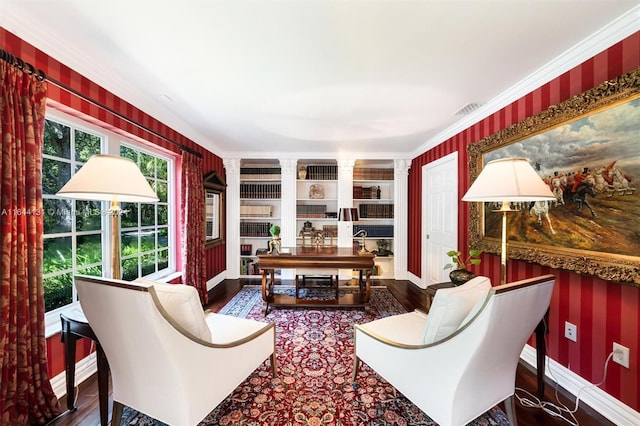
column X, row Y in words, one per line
column 571, row 331
column 621, row 355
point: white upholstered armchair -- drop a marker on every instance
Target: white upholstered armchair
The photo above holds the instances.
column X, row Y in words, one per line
column 457, row 373
column 167, row 359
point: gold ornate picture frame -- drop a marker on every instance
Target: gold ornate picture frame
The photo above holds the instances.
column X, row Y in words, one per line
column 588, row 150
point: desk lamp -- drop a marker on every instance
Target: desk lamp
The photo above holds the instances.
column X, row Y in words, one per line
column 351, row 215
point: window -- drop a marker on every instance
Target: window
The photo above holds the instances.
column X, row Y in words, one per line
column 144, row 227
column 73, row 233
column 77, row 232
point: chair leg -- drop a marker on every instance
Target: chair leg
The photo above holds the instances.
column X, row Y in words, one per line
column 510, row 408
column 116, row 415
column 356, row 364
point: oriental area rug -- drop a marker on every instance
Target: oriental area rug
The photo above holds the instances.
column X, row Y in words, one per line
column 314, row 349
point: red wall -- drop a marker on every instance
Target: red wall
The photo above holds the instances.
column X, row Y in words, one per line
column 215, row 256
column 605, row 312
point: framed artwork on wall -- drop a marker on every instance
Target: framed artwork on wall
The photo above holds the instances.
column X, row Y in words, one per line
column 588, row 151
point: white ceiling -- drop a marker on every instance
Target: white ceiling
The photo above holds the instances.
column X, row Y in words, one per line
column 330, row 78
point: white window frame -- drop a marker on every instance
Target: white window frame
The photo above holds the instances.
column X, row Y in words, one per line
column 111, row 145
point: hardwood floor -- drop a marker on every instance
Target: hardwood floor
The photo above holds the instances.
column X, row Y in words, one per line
column 411, row 297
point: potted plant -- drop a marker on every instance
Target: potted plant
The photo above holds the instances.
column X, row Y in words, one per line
column 459, row 273
column 275, row 242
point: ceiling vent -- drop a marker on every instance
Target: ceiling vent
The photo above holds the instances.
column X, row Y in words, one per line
column 468, row 108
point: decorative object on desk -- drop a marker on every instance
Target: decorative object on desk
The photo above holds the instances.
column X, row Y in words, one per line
column 460, row 274
column 362, row 233
column 504, row 181
column 302, row 172
column 115, row 179
column 275, row 243
column 316, row 192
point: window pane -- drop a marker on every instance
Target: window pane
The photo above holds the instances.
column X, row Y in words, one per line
column 54, row 175
column 163, row 214
column 129, row 243
column 57, row 254
column 148, row 165
column 147, row 241
column 129, row 217
column 87, row 145
column 130, row 269
column 57, row 291
column 161, row 190
column 94, row 271
column 89, row 249
column 161, row 168
column 129, row 153
column 148, row 214
column 148, row 264
column 56, row 140
column 163, row 259
column 56, row 216
column 163, row 237
column 88, row 215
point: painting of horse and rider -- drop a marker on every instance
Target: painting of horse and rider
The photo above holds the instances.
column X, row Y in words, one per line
column 592, row 166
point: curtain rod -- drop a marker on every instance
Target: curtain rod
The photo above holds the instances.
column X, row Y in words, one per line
column 19, row 63
column 40, row 75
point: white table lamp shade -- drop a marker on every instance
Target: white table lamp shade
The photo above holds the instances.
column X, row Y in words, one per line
column 508, row 179
column 109, row 178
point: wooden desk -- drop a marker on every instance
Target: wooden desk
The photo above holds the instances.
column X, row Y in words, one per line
column 540, row 332
column 74, row 327
column 316, row 257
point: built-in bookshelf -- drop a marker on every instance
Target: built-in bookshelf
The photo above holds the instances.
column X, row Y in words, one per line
column 373, row 197
column 317, row 199
column 313, row 196
column 260, row 208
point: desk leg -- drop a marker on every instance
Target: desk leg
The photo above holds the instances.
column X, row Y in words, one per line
column 69, row 341
column 103, row 385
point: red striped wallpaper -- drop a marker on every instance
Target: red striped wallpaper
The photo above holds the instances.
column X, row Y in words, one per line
column 215, row 256
column 605, row 312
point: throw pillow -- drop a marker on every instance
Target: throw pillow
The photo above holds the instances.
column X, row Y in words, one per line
column 183, row 305
column 450, row 306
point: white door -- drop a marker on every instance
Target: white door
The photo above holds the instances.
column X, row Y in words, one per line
column 439, row 217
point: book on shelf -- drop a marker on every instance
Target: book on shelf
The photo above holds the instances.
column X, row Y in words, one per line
column 260, row 173
column 375, row 230
column 260, row 190
column 366, row 192
column 245, row 249
column 256, row 211
column 375, row 211
column 322, row 172
column 317, row 211
column 364, row 173
column 254, row 229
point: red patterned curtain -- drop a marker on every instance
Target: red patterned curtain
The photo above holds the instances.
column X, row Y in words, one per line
column 26, row 396
column 192, row 211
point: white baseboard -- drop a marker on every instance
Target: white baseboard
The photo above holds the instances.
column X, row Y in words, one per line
column 85, row 368
column 211, row 283
column 414, row 279
column 609, row 407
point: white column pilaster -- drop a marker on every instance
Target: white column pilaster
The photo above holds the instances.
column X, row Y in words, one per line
column 345, row 200
column 232, row 234
column 400, row 218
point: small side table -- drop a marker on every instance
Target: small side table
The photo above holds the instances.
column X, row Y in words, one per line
column 540, row 331
column 74, row 327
